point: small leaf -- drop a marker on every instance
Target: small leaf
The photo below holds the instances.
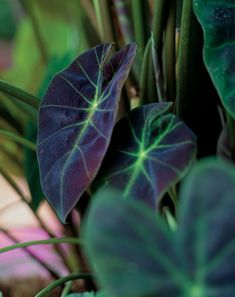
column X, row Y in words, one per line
column 217, row 21
column 128, row 244
column 150, row 150
column 76, row 120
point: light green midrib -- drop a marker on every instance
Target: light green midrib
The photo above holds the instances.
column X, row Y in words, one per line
column 139, row 162
column 81, row 134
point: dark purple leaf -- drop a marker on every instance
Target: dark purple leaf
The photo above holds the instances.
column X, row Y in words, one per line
column 76, row 120
column 150, row 150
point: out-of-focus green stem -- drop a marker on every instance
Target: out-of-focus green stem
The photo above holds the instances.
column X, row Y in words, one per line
column 159, row 23
column 40, row 242
column 17, row 138
column 104, row 20
column 169, row 53
column 61, row 281
column 138, row 8
column 184, row 56
column 144, row 74
column 19, row 94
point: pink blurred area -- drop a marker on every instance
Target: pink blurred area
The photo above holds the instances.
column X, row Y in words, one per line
column 17, row 266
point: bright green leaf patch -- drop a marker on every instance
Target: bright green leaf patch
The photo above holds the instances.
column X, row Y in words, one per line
column 128, row 243
column 150, row 150
column 217, row 19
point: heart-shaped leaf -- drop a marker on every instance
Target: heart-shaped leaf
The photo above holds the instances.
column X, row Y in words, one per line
column 129, row 245
column 150, row 150
column 217, row 20
column 76, row 120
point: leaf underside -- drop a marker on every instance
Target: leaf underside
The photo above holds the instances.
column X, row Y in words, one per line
column 76, row 119
column 128, row 244
column 150, row 150
column 217, row 19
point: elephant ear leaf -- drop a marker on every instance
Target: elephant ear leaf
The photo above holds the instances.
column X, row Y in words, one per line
column 134, row 248
column 76, row 119
column 217, row 19
column 151, row 149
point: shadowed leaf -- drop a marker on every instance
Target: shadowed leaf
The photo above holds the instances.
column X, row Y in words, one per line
column 150, row 150
column 128, row 244
column 217, row 19
column 76, row 119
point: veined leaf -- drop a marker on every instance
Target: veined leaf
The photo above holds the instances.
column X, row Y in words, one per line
column 31, row 169
column 150, row 150
column 128, row 244
column 217, row 20
column 76, row 120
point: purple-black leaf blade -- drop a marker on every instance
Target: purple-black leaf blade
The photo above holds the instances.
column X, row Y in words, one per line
column 76, row 119
column 127, row 244
column 151, row 149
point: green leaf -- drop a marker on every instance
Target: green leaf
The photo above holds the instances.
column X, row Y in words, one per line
column 151, row 149
column 128, row 244
column 76, row 119
column 217, row 20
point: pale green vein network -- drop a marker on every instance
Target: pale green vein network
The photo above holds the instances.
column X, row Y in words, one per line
column 92, row 111
column 144, row 149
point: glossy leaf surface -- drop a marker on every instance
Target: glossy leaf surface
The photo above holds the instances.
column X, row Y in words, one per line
column 76, row 119
column 217, row 19
column 150, row 150
column 128, row 243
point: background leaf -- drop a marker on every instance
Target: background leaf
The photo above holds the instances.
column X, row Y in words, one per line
column 217, row 20
column 76, row 119
column 127, row 242
column 150, row 150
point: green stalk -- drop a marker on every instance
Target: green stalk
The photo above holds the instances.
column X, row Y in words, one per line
column 144, row 74
column 169, row 54
column 159, row 23
column 104, row 20
column 19, row 139
column 138, row 8
column 61, row 281
column 184, row 56
column 40, row 242
column 19, row 94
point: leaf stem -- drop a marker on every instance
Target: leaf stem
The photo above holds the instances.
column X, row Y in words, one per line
column 17, row 138
column 41, row 242
column 19, row 94
column 61, row 281
column 184, row 55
